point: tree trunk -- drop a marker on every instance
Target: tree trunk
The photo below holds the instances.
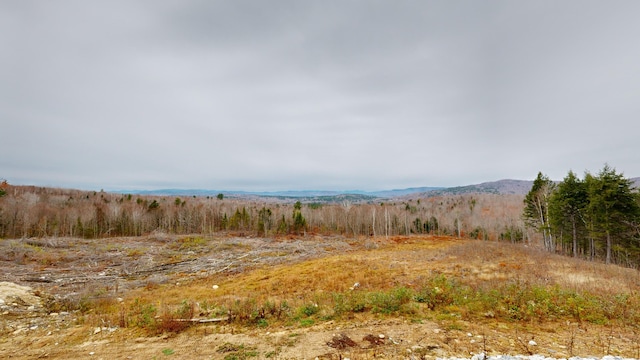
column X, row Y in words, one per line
column 575, row 237
column 608, row 259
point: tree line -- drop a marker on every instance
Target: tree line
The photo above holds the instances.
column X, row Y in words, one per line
column 28, row 211
column 596, row 217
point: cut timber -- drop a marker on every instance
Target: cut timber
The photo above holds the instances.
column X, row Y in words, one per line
column 201, row 320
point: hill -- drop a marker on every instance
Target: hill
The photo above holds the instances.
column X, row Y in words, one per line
column 506, row 186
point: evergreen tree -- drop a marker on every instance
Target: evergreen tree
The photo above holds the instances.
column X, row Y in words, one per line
column 299, row 222
column 613, row 209
column 567, row 210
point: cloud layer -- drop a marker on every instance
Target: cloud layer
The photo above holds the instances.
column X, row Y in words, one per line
column 276, row 95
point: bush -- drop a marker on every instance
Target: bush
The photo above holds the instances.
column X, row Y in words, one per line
column 389, row 302
column 438, row 292
column 309, row 309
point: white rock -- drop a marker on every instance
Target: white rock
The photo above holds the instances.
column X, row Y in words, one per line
column 97, row 330
column 532, row 343
column 92, row 353
column 381, row 336
column 215, row 287
column 469, row 334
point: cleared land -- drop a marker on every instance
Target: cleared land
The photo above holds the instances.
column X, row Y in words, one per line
column 306, row 297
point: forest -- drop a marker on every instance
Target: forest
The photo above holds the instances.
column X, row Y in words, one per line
column 28, row 211
column 596, row 217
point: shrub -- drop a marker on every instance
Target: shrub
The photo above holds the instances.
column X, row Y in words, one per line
column 389, row 302
column 309, row 309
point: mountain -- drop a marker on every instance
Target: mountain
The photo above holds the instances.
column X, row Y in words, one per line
column 286, row 194
column 506, row 186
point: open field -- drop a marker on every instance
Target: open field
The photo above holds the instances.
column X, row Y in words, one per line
column 308, row 297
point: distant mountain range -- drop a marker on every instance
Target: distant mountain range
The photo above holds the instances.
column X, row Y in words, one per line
column 288, row 193
column 506, row 186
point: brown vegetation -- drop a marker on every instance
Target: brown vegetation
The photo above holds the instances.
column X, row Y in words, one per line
column 288, row 297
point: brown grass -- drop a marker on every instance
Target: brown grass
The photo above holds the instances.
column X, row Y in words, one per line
column 450, row 285
column 401, row 262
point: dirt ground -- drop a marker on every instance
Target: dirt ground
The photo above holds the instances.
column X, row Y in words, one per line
column 34, row 273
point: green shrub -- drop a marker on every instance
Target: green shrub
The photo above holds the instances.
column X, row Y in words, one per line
column 309, row 309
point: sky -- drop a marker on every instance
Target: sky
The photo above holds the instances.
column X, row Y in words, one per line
column 325, row 95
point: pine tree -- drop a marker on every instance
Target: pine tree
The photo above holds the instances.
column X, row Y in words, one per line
column 299, row 222
column 613, row 209
column 567, row 208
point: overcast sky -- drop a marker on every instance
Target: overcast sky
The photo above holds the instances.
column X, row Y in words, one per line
column 332, row 95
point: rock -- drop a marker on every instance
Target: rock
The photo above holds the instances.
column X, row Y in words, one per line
column 18, row 295
column 532, row 343
column 215, row 287
column 97, row 330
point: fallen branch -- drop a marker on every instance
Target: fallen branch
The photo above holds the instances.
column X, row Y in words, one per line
column 200, row 320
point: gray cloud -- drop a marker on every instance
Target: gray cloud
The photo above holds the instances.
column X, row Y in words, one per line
column 326, row 95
